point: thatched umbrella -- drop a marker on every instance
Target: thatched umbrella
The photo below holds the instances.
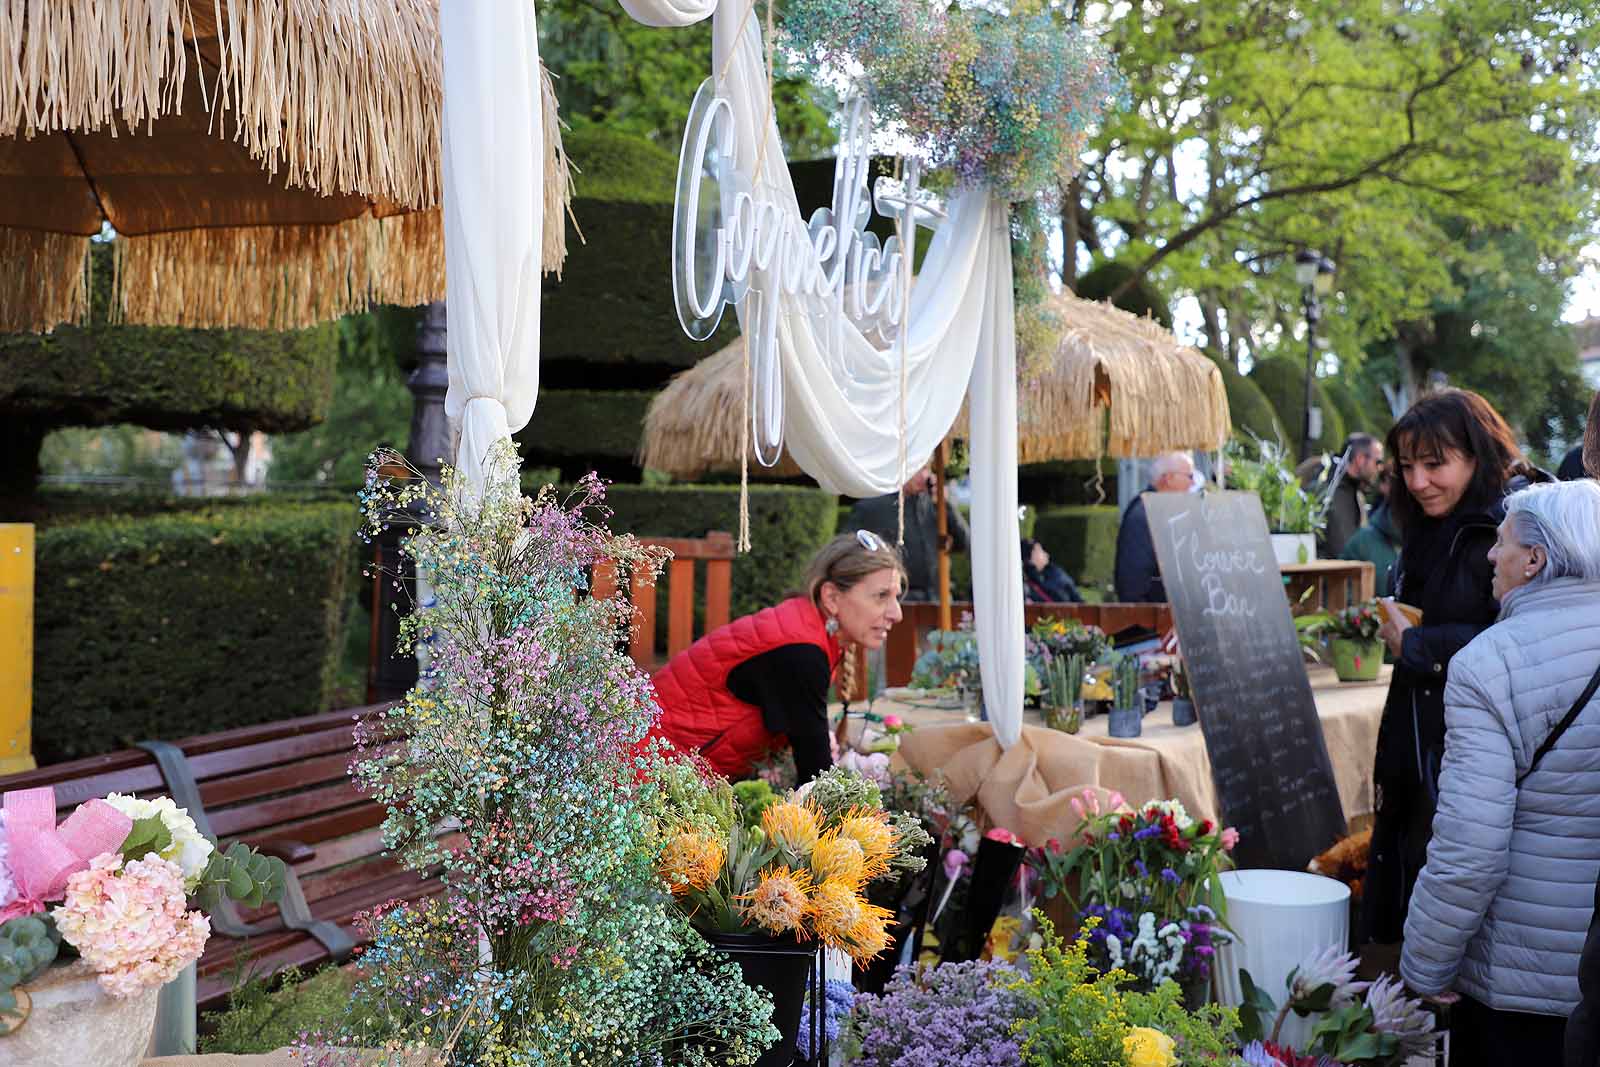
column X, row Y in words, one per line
column 1117, row 385
column 263, row 165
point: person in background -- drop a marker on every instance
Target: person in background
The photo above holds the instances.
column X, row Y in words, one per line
column 1378, row 542
column 761, row 681
column 1500, row 910
column 1347, row 507
column 1571, row 468
column 1138, row 576
column 1044, row 582
column 1584, row 459
column 1455, row 461
column 881, row 515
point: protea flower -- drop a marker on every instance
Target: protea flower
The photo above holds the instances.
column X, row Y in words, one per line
column 1395, row 1013
column 691, row 861
column 871, row 830
column 778, row 902
column 835, row 857
column 1332, row 966
column 791, row 827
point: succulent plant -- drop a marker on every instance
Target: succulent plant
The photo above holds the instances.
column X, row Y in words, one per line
column 28, row 945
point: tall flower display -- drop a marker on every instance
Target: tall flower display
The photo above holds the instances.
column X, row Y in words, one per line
column 510, row 772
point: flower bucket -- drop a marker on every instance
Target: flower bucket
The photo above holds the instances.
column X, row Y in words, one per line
column 779, row 965
column 1126, row 722
column 1356, row 661
column 1183, row 712
column 1294, row 548
column 1067, row 720
column 75, row 1023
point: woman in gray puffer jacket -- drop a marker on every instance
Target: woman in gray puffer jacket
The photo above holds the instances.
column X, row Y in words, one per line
column 1499, row 913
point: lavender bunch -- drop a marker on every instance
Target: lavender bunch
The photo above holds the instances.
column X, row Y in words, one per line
column 954, row 1015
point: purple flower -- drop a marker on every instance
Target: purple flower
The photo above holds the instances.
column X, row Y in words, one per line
column 954, row 1015
column 1170, row 875
column 1138, row 865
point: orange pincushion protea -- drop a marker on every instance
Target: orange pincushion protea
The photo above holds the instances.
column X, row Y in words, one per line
column 841, row 918
column 841, row 859
column 792, row 827
column 871, row 830
column 691, row 861
column 778, row 902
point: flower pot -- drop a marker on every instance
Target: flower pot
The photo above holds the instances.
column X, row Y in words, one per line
column 779, row 965
column 1067, row 720
column 1356, row 661
column 1294, row 548
column 74, row 1022
column 1183, row 712
column 1126, row 722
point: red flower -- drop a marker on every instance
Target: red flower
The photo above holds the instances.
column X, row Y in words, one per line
column 1206, row 826
column 1052, row 845
column 1127, row 823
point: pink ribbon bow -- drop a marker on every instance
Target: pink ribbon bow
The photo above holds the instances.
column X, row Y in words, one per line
column 43, row 856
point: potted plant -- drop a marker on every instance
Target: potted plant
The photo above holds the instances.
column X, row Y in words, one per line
column 1183, row 713
column 1063, row 692
column 1294, row 513
column 1127, row 706
column 766, row 895
column 1353, row 641
column 79, row 979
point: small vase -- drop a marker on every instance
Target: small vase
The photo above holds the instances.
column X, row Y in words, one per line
column 74, row 1023
column 1183, row 712
column 1067, row 720
column 779, row 965
column 1356, row 661
column 1126, row 722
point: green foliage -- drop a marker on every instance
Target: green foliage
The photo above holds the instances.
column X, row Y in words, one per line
column 149, row 834
column 1262, row 468
column 241, row 874
column 755, row 796
column 787, row 526
column 1283, row 380
column 1082, row 540
column 371, row 405
column 1351, row 128
column 167, row 625
column 262, row 1018
column 615, row 165
column 1203, row 1036
column 1252, row 413
column 1115, row 282
column 573, row 424
column 1352, row 409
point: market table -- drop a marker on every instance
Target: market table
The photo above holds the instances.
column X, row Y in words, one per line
column 1027, row 789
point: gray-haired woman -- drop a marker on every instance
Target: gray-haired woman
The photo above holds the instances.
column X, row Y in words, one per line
column 1499, row 913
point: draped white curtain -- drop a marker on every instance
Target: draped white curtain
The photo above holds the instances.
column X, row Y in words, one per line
column 493, row 162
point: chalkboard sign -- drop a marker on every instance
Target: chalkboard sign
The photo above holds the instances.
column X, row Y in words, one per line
column 1247, row 675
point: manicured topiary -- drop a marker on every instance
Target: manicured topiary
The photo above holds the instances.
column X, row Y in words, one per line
column 1143, row 299
column 1252, row 412
column 1283, row 380
column 166, row 625
column 1083, row 540
column 584, row 425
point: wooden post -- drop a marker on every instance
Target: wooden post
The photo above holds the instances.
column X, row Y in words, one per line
column 16, row 647
column 939, row 455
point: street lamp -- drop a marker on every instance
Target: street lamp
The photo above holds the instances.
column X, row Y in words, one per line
column 1314, row 272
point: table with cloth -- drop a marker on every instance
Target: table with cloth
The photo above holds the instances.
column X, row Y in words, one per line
column 1028, row 788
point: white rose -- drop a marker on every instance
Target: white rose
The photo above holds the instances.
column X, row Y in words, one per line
column 189, row 849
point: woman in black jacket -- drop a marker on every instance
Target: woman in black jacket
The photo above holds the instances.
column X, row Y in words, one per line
column 1456, row 460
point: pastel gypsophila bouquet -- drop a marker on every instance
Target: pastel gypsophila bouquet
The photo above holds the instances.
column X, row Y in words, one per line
column 125, row 872
column 510, row 771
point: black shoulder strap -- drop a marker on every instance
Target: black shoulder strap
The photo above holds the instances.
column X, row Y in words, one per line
column 293, row 909
column 1561, row 727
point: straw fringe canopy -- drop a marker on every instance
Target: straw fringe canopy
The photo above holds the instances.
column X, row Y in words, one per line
column 264, row 163
column 1117, row 385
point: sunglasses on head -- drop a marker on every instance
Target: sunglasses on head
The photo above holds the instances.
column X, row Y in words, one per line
column 870, row 541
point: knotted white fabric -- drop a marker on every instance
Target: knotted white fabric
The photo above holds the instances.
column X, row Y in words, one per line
column 493, row 162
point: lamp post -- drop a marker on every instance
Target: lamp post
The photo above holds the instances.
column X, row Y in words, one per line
column 1314, row 272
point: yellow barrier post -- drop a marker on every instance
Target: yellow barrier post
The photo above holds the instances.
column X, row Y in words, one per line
column 16, row 647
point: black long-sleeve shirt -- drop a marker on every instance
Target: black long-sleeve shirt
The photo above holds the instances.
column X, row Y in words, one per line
column 790, row 686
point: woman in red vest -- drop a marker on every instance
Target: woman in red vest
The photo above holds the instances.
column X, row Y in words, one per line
column 744, row 689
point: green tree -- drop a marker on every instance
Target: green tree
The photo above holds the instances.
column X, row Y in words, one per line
column 1351, row 128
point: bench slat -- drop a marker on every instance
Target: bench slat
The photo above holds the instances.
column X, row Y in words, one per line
column 222, row 792
column 257, row 817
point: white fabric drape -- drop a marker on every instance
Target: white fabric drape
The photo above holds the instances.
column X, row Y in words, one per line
column 493, row 162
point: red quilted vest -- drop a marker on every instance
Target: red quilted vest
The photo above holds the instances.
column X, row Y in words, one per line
column 699, row 714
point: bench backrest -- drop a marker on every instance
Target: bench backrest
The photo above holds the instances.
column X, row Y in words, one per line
column 714, row 555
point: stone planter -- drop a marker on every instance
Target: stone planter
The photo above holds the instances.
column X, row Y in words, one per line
column 1356, row 661
column 1126, row 722
column 76, row 1024
column 1294, row 548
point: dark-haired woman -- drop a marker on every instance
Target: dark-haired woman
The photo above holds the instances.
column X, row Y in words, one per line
column 1455, row 462
column 761, row 682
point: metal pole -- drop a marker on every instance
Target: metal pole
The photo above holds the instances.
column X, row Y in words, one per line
column 1310, row 300
column 939, row 455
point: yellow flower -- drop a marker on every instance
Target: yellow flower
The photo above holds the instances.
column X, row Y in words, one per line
column 871, row 830
column 691, row 861
column 778, row 902
column 834, row 909
column 792, row 827
column 870, row 935
column 839, row 858
column 1145, row 1047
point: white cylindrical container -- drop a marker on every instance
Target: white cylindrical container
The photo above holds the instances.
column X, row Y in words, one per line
column 1280, row 919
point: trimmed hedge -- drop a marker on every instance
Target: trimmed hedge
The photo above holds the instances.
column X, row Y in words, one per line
column 1083, row 540
column 578, row 423
column 1283, row 380
column 788, row 524
column 1061, row 483
column 162, row 626
column 1357, row 419
column 1252, row 413
column 1143, row 300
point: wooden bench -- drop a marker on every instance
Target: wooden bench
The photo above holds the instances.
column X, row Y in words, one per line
column 283, row 788
column 713, row 554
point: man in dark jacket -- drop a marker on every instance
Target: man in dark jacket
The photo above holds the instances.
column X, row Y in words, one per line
column 1138, row 576
column 1347, row 507
column 881, row 515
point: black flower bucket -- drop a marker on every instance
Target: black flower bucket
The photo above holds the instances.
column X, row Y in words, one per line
column 781, row 966
column 992, row 873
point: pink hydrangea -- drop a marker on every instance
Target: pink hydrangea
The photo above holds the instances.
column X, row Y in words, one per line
column 130, row 923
